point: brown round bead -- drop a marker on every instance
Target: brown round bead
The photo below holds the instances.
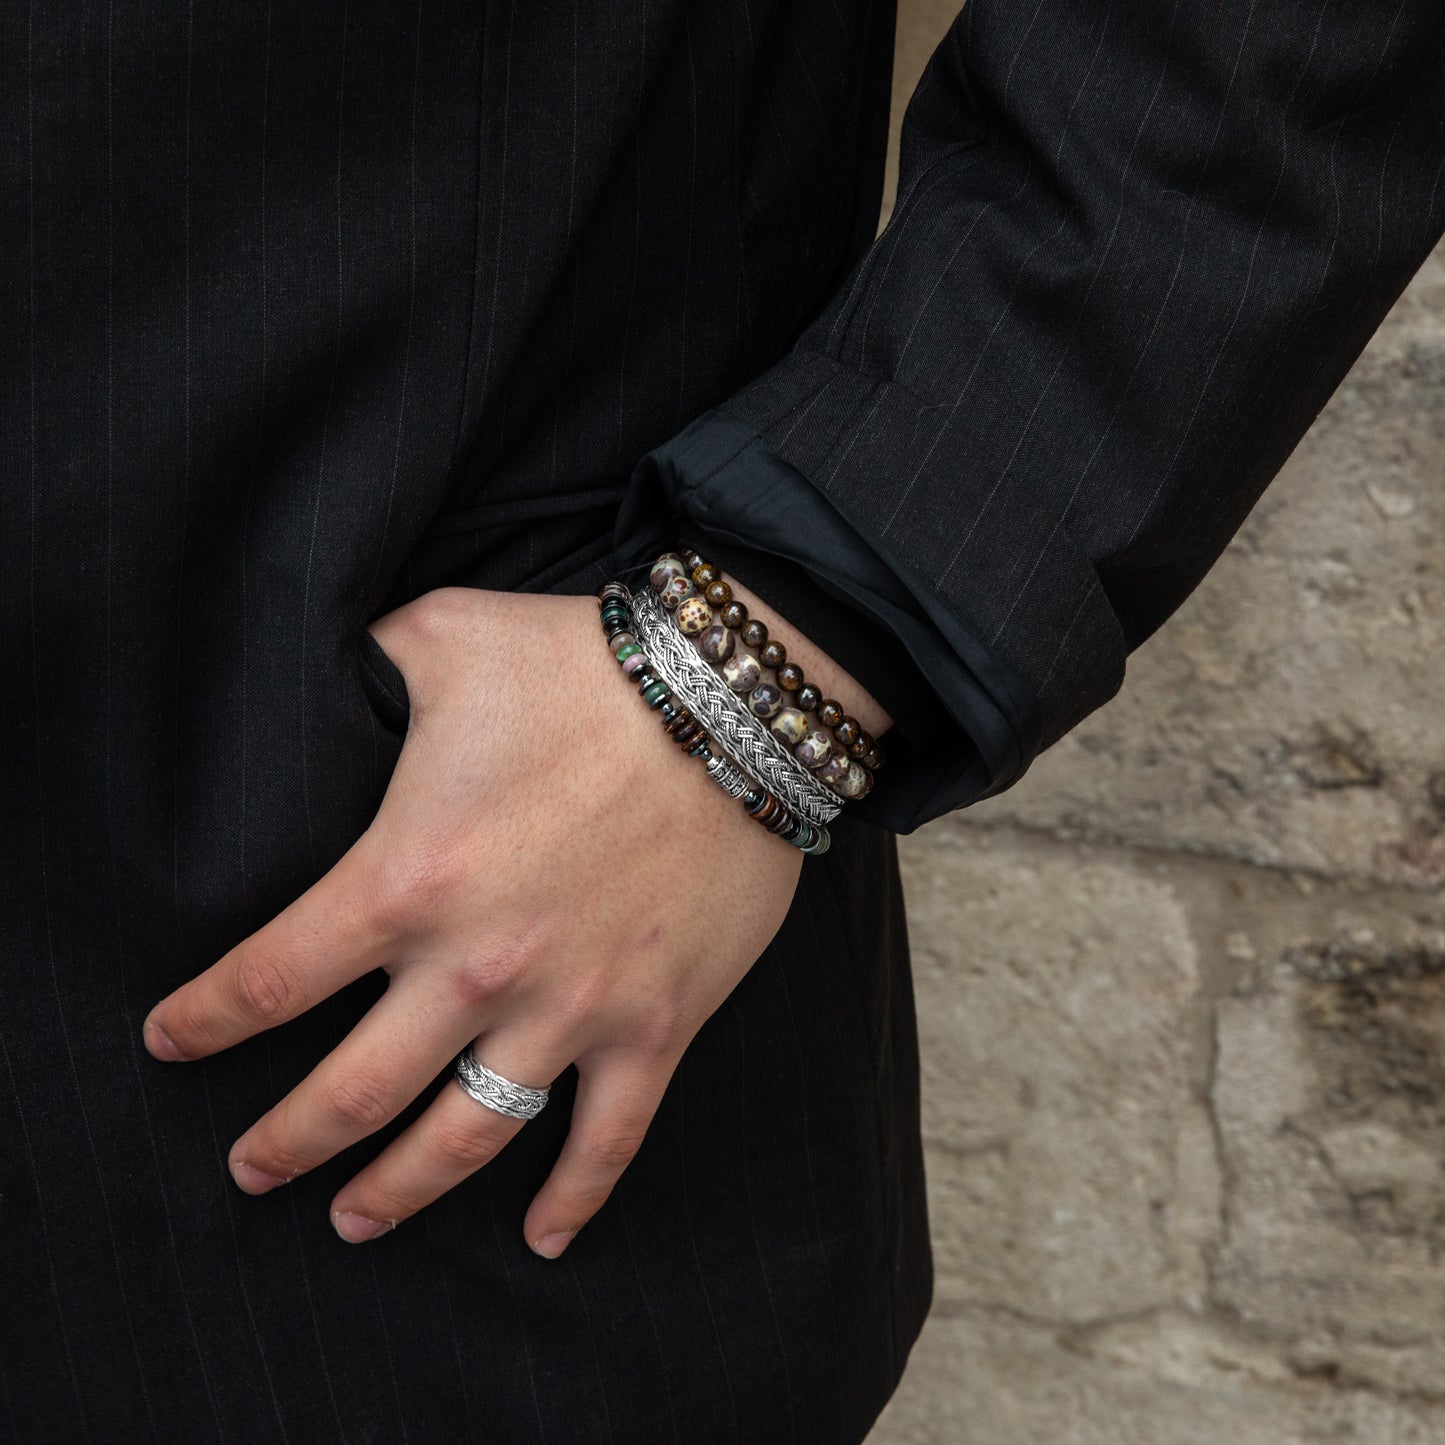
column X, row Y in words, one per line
column 691, row 559
column 774, row 655
column 809, row 697
column 873, row 758
column 790, row 677
column 755, row 633
column 860, row 744
column 704, row 574
column 830, row 714
column 734, row 614
column 848, row 731
column 718, row 593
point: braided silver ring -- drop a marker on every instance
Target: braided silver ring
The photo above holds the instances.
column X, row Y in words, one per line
column 517, row 1101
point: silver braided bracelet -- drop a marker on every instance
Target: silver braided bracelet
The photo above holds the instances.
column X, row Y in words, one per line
column 724, row 713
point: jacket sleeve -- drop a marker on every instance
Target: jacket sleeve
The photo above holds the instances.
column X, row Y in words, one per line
column 1135, row 250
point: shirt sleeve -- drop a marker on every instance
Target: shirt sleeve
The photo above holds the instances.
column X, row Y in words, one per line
column 1135, row 250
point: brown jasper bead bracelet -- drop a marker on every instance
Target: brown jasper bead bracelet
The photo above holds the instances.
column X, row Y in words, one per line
column 688, row 732
column 706, row 610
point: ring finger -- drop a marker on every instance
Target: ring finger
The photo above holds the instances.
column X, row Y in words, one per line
column 452, row 1139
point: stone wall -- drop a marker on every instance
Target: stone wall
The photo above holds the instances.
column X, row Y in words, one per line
column 1182, row 989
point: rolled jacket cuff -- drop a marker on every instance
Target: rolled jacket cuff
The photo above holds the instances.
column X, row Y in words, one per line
column 715, row 481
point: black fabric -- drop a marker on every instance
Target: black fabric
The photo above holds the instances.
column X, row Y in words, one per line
column 1135, row 249
column 309, row 309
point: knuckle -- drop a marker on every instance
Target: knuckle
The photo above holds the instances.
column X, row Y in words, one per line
column 412, row 889
column 615, row 1149
column 359, row 1101
column 265, row 986
column 463, row 1147
column 480, row 978
column 663, row 1033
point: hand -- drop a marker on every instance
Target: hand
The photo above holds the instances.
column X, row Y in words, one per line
column 548, row 874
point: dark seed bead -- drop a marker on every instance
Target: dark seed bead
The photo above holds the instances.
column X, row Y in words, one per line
column 686, row 734
column 873, row 758
column 734, row 614
column 808, row 697
column 699, row 747
column 751, row 798
column 755, row 633
column 667, row 711
column 829, row 713
column 718, row 593
column 613, row 625
column 704, row 575
column 861, row 745
column 773, row 655
column 848, row 731
column 790, row 676
column 645, row 677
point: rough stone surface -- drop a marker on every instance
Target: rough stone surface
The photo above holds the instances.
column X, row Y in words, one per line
column 1185, row 1123
column 1289, row 713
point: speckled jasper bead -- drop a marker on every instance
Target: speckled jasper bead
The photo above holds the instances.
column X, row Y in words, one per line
column 790, row 724
column 693, row 615
column 665, row 569
column 716, row 643
column 741, row 672
column 677, row 591
column 814, row 748
column 765, row 700
column 856, row 782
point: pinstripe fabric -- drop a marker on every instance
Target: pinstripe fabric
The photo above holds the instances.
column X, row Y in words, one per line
column 1136, row 247
column 309, row 309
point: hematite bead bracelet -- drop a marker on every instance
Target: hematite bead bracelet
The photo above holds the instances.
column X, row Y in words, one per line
column 841, row 753
column 614, row 602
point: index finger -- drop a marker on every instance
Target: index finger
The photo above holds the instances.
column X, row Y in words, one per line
column 333, row 933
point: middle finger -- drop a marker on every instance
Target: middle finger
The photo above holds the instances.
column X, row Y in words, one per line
column 395, row 1050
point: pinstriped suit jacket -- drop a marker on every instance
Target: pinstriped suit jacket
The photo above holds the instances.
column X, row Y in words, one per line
column 311, row 308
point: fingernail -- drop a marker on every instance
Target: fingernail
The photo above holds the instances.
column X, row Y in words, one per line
column 160, row 1043
column 551, row 1245
column 253, row 1180
column 357, row 1228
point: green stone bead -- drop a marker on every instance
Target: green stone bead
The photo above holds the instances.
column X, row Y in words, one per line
column 654, row 692
column 623, row 653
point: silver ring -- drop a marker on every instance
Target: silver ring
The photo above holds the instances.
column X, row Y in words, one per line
column 517, row 1101
column 748, row 739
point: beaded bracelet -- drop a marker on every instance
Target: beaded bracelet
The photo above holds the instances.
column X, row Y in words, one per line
column 691, row 588
column 678, row 722
column 698, row 686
